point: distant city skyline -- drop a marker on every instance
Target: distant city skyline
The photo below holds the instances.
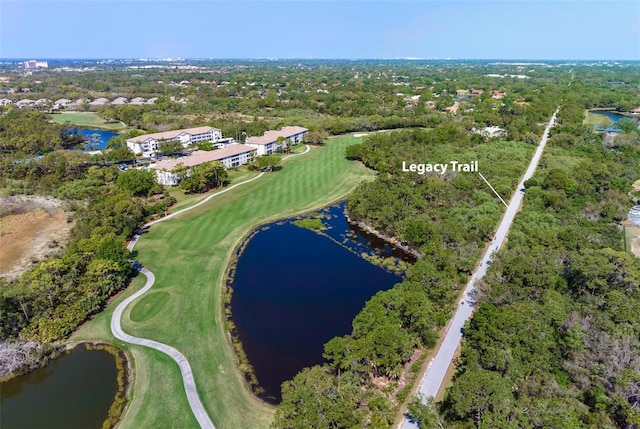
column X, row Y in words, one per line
column 508, row 30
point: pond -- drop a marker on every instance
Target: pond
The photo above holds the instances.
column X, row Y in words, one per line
column 294, row 289
column 73, row 391
column 97, row 138
column 613, row 117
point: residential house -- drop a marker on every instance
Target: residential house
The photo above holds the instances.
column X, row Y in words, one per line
column 24, row 103
column 79, row 102
column 232, row 155
column 147, row 144
column 119, row 101
column 99, row 102
column 61, row 103
column 454, row 108
column 491, row 132
column 268, row 142
column 137, row 101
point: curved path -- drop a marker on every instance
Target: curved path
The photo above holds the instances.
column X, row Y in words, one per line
column 437, row 369
column 185, row 369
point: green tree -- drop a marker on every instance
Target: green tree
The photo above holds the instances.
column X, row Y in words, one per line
column 205, row 176
column 203, row 145
column 267, row 162
column 119, row 154
column 315, row 137
column 139, row 182
column 627, row 125
column 170, row 147
column 424, row 415
column 316, row 399
column 477, row 392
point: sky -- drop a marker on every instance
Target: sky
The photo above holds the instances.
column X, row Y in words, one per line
column 479, row 29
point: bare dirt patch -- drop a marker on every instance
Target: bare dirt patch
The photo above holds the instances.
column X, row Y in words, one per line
column 30, row 229
column 632, row 237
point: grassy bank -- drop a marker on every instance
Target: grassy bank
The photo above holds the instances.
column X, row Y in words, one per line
column 188, row 255
column 86, row 120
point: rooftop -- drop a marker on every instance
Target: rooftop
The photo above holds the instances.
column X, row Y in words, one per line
column 166, row 135
column 200, row 156
column 271, row 135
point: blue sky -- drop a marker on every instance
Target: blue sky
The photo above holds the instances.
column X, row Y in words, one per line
column 320, row 29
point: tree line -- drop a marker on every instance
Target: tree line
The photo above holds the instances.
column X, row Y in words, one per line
column 554, row 342
column 48, row 301
column 448, row 219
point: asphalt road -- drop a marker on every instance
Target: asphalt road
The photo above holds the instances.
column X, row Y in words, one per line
column 437, row 369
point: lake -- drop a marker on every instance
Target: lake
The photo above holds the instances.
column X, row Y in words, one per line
column 73, row 391
column 613, row 117
column 102, row 136
column 295, row 289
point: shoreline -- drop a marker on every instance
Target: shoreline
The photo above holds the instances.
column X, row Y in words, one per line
column 122, row 362
column 248, row 375
column 243, row 364
column 386, row 238
column 613, row 110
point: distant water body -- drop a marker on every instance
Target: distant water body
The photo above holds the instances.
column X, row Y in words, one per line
column 614, row 117
column 102, row 136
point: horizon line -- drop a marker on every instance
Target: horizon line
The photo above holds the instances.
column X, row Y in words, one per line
column 409, row 58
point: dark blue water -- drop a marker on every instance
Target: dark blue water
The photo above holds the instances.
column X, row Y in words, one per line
column 101, row 137
column 294, row 290
column 73, row 391
column 613, row 117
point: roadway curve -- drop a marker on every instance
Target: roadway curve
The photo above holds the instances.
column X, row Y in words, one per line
column 437, row 368
column 195, row 403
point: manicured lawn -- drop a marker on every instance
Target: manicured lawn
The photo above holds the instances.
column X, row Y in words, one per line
column 185, row 200
column 148, row 306
column 189, row 255
column 86, row 119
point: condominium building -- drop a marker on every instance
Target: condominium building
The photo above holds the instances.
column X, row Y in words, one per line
column 147, row 144
column 268, row 142
column 33, row 64
column 232, row 155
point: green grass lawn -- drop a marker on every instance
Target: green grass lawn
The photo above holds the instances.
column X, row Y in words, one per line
column 188, row 255
column 87, row 120
column 185, row 200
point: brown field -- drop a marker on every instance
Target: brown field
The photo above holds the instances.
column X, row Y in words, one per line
column 30, row 229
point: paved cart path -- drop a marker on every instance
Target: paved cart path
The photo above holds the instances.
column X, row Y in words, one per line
column 195, row 403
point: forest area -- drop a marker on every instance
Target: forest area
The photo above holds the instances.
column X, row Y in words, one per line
column 554, row 342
